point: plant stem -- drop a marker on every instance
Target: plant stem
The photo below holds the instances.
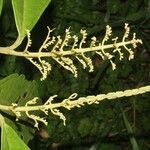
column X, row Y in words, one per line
column 78, row 102
column 77, row 51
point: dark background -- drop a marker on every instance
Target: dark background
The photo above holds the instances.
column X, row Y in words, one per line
column 94, row 127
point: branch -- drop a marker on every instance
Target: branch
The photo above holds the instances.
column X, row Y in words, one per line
column 68, row 103
column 59, row 50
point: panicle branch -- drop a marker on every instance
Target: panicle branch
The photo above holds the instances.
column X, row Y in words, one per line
column 61, row 50
column 68, row 103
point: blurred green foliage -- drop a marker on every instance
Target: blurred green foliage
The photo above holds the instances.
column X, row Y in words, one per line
column 94, row 127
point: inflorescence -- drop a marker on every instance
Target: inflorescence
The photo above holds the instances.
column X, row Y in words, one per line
column 60, row 50
column 69, row 103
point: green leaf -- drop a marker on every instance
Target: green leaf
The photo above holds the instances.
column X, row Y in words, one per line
column 9, row 138
column 130, row 131
column 1, row 6
column 27, row 13
column 25, row 131
column 16, row 89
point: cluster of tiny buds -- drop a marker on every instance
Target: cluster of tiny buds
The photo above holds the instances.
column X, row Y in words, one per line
column 61, row 50
column 108, row 33
column 84, row 36
column 127, row 30
column 36, row 119
column 66, row 39
column 29, row 41
column 136, row 41
column 93, row 41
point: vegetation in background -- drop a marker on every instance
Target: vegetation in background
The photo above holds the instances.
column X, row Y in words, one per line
column 111, row 125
